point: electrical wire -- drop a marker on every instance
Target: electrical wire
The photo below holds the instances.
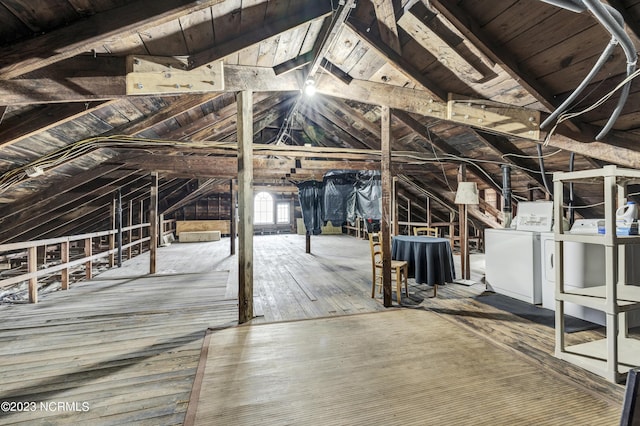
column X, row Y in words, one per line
column 602, row 100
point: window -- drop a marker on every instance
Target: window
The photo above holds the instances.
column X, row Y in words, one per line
column 263, row 208
column 283, row 212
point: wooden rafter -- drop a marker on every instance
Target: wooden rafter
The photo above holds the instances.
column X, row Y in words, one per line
column 387, row 24
column 92, row 32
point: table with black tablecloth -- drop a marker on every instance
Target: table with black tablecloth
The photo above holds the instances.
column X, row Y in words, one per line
column 430, row 259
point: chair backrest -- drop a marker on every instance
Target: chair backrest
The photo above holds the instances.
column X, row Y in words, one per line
column 375, row 242
column 431, row 232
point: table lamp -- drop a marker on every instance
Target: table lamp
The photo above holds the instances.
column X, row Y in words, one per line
column 467, row 193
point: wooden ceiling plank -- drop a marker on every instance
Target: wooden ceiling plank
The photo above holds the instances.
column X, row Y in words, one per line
column 319, row 10
column 46, row 195
column 91, row 32
column 43, row 119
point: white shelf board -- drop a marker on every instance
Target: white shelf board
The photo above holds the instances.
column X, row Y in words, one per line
column 594, row 297
column 592, row 356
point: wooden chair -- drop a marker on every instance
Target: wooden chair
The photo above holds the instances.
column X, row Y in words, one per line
column 399, row 267
column 431, row 232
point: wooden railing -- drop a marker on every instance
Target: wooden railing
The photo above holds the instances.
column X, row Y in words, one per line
column 59, row 256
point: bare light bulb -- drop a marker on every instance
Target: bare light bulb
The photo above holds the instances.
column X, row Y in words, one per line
column 310, row 88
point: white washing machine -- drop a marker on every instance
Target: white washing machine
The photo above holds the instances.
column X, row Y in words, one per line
column 512, row 264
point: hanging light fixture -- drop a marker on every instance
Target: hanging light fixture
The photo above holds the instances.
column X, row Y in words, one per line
column 309, row 87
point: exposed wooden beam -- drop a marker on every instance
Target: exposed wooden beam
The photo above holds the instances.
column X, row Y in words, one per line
column 412, row 22
column 411, row 100
column 438, row 142
column 337, row 21
column 153, row 223
column 92, row 32
column 398, row 62
column 245, row 207
column 387, row 25
column 385, row 175
column 470, row 29
column 87, row 87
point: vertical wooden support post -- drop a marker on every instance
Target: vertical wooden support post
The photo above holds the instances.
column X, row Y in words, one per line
column 112, row 240
column 452, row 229
column 64, row 259
column 385, row 173
column 307, row 242
column 88, row 252
column 245, row 206
column 428, row 211
column 292, row 215
column 409, row 229
column 119, row 227
column 32, row 267
column 141, row 230
column 394, row 200
column 130, row 233
column 232, row 219
column 153, row 223
column 464, row 232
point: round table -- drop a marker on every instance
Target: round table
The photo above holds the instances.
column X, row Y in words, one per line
column 430, row 259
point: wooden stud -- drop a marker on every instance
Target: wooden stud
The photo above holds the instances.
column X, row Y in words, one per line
column 88, row 250
column 464, row 232
column 130, row 232
column 112, row 241
column 385, row 172
column 153, row 223
column 141, row 230
column 64, row 259
column 32, row 268
column 394, row 206
column 232, row 224
column 245, row 206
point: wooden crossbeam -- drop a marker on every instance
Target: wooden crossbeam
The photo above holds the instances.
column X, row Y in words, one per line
column 152, row 75
column 502, row 118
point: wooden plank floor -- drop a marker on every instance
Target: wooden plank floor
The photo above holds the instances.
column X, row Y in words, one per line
column 130, row 343
column 112, row 351
column 402, row 367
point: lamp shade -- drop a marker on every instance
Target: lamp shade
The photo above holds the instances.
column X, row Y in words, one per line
column 467, row 193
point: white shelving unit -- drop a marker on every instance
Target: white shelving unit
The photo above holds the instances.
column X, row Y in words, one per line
column 614, row 355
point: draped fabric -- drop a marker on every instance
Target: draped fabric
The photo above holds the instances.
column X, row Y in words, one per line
column 339, row 196
column 342, row 196
column 310, row 195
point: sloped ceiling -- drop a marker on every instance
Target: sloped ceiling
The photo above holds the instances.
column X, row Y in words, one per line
column 65, row 106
